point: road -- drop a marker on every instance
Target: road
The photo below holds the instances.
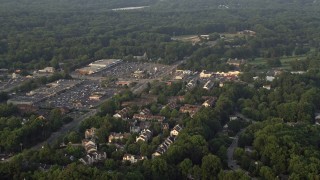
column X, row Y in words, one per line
column 245, row 118
column 76, row 122
column 64, row 129
column 232, row 164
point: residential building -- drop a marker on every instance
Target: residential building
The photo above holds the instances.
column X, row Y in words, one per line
column 268, row 87
column 209, row 84
column 210, row 102
column 191, row 109
column 145, row 111
column 233, row 118
column 175, row 130
column 143, row 117
column 145, row 135
column 162, row 148
column 90, row 133
column 144, row 124
column 117, row 136
column 165, row 126
column 171, row 105
column 135, row 129
column 123, row 113
column 270, row 78
column 133, row 158
column 236, row 62
column 90, row 146
column 93, row 158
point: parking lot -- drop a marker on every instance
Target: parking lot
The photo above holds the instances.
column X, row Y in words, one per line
column 78, row 97
column 9, row 84
column 126, row 69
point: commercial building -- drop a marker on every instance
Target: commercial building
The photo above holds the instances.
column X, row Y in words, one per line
column 97, row 66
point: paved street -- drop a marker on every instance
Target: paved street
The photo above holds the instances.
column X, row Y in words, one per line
column 232, row 164
column 64, row 129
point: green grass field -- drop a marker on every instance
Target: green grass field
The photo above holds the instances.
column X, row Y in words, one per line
column 285, row 61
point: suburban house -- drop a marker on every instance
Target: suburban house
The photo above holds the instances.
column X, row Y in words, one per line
column 162, row 148
column 180, row 98
column 90, row 146
column 143, row 117
column 133, row 158
column 236, row 62
column 123, row 113
column 248, row 149
column 171, row 105
column 93, row 158
column 145, row 135
column 165, row 126
column 233, row 118
column 210, row 102
column 144, row 124
column 268, row 87
column 191, row 109
column 90, row 133
column 175, row 130
column 117, row 136
column 209, row 84
column 145, row 111
column 135, row 129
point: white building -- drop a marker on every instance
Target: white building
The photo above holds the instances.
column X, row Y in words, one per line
column 133, row 158
column 47, row 70
column 175, row 130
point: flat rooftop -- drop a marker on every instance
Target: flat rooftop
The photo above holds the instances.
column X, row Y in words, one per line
column 105, row 62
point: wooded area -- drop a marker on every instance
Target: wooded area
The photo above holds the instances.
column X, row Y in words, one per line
column 280, row 139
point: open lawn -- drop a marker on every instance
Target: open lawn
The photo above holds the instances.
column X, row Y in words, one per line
column 188, row 38
column 232, row 35
column 285, row 61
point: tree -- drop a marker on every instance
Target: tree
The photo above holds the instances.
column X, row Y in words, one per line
column 267, row 173
column 185, row 167
column 211, row 166
column 110, row 164
column 159, row 168
column 74, row 137
column 274, row 62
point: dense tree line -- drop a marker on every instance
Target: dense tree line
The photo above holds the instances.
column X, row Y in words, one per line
column 280, row 148
column 36, row 37
column 18, row 132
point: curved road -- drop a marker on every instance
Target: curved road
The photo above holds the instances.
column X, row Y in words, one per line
column 232, row 164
